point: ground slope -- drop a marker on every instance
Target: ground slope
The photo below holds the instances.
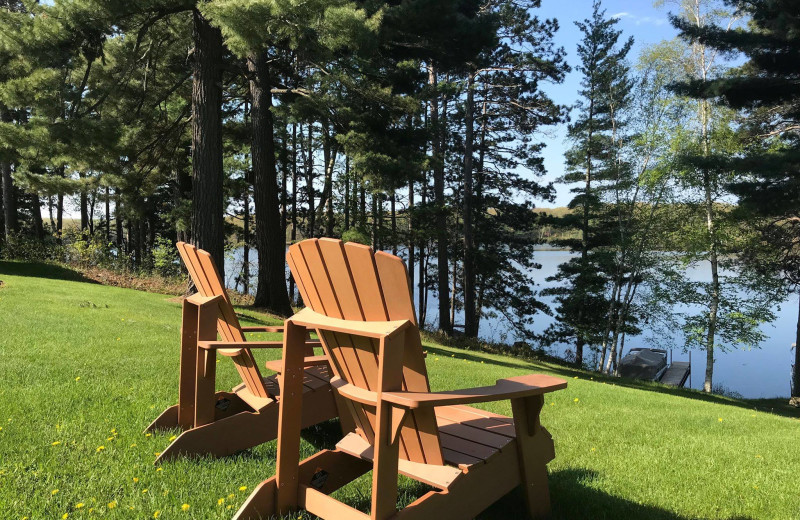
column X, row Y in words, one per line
column 84, row 368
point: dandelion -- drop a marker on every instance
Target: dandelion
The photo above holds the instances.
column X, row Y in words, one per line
column 54, row 492
column 133, row 445
column 135, row 480
column 55, row 443
column 759, row 457
column 576, row 377
column 552, row 404
column 78, row 378
column 594, row 449
column 157, row 453
column 159, row 469
column 110, row 438
column 172, row 438
column 117, row 339
column 144, row 491
column 148, row 434
column 112, row 504
column 79, row 505
column 243, row 488
column 100, row 448
column 65, row 516
column 1, row 428
column 720, row 419
column 220, row 501
column 156, row 514
column 231, row 495
column 185, row 507
column 576, row 400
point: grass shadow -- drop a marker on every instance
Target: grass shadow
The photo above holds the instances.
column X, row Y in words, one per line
column 43, row 270
column 774, row 406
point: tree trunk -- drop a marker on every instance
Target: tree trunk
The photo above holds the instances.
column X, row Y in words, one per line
column 411, row 234
column 346, row 192
column 36, row 216
column 470, row 321
column 294, row 202
column 443, row 271
column 108, row 215
column 796, row 367
column 118, row 222
column 10, row 218
column 271, row 291
column 59, row 217
column 207, row 193
column 310, row 183
column 246, row 237
column 393, row 210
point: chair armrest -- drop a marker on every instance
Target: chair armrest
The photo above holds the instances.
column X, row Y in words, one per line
column 276, row 365
column 263, row 328
column 200, row 300
column 511, row 388
column 217, row 345
column 370, row 329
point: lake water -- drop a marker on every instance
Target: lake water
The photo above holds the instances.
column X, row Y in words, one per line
column 761, row 372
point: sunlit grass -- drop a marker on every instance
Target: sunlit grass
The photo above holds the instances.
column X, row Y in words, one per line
column 84, row 368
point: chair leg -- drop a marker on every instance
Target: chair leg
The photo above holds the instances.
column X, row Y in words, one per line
column 532, row 447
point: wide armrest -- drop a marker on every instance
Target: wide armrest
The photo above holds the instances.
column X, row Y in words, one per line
column 217, row 345
column 371, row 329
column 200, row 300
column 263, row 328
column 276, row 365
column 511, row 388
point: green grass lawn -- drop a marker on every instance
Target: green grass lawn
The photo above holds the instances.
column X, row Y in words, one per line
column 84, row 368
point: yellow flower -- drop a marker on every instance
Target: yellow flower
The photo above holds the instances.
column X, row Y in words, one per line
column 243, row 488
column 552, row 404
column 78, row 378
column 576, row 377
column 172, row 438
column 110, row 438
column 759, row 457
column 576, row 400
column 156, row 514
column 135, row 479
column 144, row 490
column 55, row 443
column 112, row 504
column 148, row 434
column 159, row 469
column 157, row 453
column 594, row 449
column 185, row 507
column 133, row 445
column 79, row 505
column 100, row 448
column 65, row 516
column 54, row 492
column 720, row 419
column 231, row 495
column 220, row 501
column 117, row 339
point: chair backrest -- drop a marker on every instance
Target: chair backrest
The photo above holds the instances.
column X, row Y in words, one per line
column 208, row 282
column 349, row 281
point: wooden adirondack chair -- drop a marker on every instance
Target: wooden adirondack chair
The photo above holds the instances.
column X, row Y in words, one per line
column 360, row 303
column 223, row 423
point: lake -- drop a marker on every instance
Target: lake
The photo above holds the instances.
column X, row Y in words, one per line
column 761, row 372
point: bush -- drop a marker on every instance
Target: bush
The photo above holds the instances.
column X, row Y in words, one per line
column 165, row 257
column 29, row 249
column 356, row 235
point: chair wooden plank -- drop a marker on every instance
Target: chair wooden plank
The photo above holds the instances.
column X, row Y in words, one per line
column 466, row 446
column 302, row 278
column 459, row 459
column 319, row 274
column 333, row 255
column 365, row 278
column 458, row 414
column 395, row 286
column 466, row 431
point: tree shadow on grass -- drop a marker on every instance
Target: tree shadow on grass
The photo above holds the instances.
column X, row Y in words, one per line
column 773, row 406
column 572, row 499
column 43, row 270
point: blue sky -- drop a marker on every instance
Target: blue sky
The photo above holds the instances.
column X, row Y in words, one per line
column 638, row 18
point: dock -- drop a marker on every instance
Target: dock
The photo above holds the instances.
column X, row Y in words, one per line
column 676, row 374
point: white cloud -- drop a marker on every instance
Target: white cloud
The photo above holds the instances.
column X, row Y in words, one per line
column 640, row 20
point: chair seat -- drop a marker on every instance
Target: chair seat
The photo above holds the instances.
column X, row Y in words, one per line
column 315, row 377
column 470, row 436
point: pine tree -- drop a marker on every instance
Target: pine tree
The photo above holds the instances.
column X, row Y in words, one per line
column 592, row 160
column 767, row 89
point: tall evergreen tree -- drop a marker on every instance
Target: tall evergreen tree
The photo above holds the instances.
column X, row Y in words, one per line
column 593, row 159
column 767, row 89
